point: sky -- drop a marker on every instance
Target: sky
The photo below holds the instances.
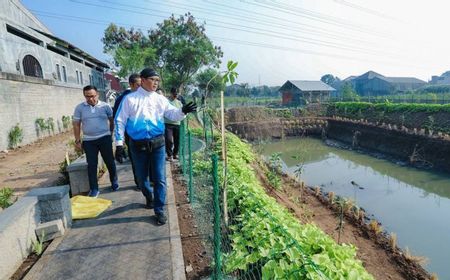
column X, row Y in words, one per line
column 274, row 41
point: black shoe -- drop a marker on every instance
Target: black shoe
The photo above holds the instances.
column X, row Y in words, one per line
column 149, row 202
column 161, row 219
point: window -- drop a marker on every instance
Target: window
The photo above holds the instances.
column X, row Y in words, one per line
column 81, row 77
column 78, row 78
column 64, row 74
column 90, row 79
column 23, row 35
column 58, row 72
column 31, row 67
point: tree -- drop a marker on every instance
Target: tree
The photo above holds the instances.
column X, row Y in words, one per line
column 132, row 60
column 348, row 93
column 183, row 48
column 329, row 79
column 211, row 76
column 177, row 49
column 131, row 50
column 332, row 81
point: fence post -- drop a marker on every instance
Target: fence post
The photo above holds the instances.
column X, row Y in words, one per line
column 217, row 236
column 191, row 195
column 182, row 140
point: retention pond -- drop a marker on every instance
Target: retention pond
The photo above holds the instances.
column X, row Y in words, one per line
column 413, row 203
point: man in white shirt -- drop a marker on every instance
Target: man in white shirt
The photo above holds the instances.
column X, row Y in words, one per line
column 141, row 115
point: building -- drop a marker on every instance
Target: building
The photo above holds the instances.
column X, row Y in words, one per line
column 372, row 84
column 41, row 75
column 304, row 92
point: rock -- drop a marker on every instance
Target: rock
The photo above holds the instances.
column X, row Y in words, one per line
column 5, row 151
column 189, row 269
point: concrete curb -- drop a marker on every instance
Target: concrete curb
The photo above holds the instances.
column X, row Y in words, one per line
column 178, row 269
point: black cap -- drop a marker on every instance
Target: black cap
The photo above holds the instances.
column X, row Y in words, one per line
column 148, row 72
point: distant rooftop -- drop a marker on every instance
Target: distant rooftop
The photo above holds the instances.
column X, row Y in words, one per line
column 371, row 74
column 309, row 85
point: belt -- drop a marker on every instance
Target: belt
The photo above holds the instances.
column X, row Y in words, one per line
column 149, row 145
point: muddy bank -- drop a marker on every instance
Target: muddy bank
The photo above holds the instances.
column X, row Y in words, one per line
column 418, row 150
column 412, row 146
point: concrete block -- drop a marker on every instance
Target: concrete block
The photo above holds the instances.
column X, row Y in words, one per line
column 17, row 225
column 78, row 174
column 50, row 230
column 54, row 204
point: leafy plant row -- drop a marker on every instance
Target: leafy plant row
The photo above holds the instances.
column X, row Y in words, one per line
column 265, row 235
column 354, row 107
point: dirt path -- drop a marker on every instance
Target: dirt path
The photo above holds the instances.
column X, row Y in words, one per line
column 34, row 165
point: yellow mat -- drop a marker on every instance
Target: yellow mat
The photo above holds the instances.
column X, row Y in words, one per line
column 84, row 207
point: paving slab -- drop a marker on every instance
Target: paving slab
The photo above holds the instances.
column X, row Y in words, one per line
column 124, row 242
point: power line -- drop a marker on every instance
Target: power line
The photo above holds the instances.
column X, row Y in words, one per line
column 230, row 40
column 313, row 16
column 272, row 34
column 312, row 30
column 364, row 9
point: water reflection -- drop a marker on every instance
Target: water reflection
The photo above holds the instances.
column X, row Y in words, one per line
column 413, row 203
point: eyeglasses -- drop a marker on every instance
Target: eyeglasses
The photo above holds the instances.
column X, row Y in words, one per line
column 155, row 80
column 90, row 96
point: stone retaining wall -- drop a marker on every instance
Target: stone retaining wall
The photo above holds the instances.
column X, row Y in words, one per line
column 25, row 99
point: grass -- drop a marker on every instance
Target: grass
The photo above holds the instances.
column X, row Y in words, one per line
column 418, row 259
column 375, row 227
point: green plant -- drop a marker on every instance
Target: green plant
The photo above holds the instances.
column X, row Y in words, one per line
column 41, row 124
column 37, row 246
column 15, row 136
column 273, row 174
column 50, row 125
column 66, row 121
column 63, row 168
column 5, row 197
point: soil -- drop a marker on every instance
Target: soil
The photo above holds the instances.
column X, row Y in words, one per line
column 196, row 261
column 34, row 165
column 28, row 263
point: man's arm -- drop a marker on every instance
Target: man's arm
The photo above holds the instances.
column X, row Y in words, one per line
column 76, row 133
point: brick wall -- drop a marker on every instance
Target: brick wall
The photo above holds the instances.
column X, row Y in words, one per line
column 25, row 99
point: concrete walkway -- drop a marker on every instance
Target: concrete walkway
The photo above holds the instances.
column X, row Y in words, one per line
column 124, row 242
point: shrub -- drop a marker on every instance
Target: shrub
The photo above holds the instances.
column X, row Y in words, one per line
column 51, row 125
column 65, row 121
column 41, row 124
column 15, row 136
column 5, row 197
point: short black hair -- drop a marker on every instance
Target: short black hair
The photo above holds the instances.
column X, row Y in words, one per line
column 89, row 87
column 133, row 78
column 148, row 72
column 173, row 90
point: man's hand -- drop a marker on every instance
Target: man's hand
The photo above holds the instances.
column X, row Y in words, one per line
column 189, row 108
column 78, row 146
column 120, row 154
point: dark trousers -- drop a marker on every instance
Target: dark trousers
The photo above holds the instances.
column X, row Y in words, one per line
column 130, row 154
column 151, row 165
column 172, row 135
column 104, row 146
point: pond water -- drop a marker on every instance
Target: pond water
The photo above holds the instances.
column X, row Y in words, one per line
column 413, row 203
